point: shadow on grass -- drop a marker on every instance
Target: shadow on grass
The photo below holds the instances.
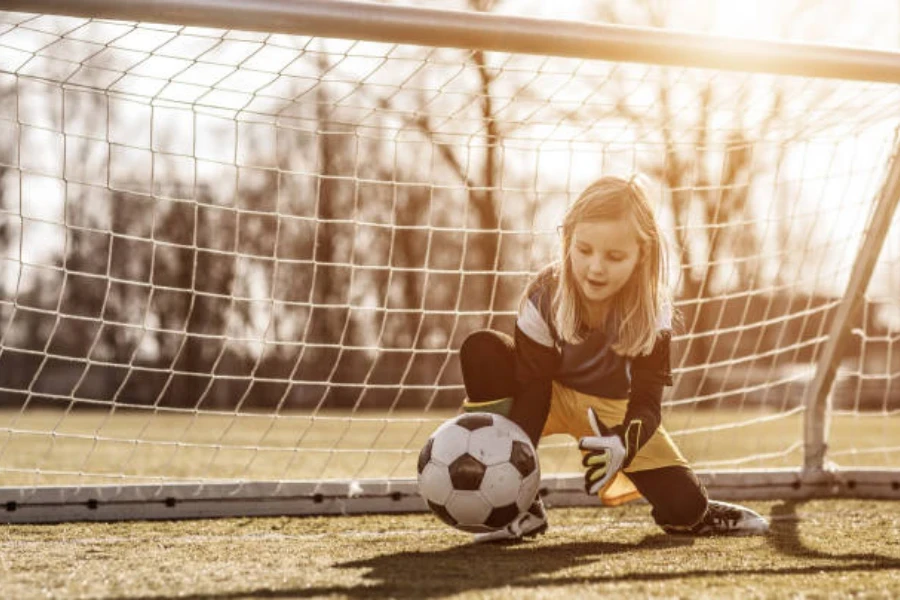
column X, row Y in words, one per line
column 530, row 566
column 784, row 537
column 466, row 568
column 473, row 568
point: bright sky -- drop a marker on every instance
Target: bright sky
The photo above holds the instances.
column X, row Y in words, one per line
column 871, row 23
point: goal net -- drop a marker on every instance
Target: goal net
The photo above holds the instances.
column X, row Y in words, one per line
column 236, row 267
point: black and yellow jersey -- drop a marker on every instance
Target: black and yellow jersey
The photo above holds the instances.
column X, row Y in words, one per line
column 590, row 367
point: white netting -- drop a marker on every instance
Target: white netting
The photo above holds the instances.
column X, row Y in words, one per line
column 241, row 256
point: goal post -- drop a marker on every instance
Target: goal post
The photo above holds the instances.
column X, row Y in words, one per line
column 817, row 413
column 240, row 247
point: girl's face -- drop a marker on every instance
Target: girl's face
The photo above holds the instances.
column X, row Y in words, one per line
column 603, row 257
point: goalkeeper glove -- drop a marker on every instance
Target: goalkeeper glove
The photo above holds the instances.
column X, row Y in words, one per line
column 607, row 452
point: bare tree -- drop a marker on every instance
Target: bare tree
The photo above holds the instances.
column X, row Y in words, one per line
column 708, row 173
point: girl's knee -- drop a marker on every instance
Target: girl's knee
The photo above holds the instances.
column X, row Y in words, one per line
column 487, row 360
column 486, row 343
column 677, row 496
column 486, row 350
column 682, row 510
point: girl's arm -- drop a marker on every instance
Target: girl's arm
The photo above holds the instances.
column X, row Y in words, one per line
column 649, row 374
column 535, row 366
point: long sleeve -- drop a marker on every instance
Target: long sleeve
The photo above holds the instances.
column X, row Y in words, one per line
column 537, row 361
column 649, row 374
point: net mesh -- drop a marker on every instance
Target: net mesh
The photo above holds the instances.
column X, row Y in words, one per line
column 242, row 256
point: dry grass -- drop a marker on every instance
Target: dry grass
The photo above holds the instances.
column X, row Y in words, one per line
column 48, row 448
column 818, row 549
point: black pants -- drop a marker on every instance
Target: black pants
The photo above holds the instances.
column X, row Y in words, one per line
column 487, row 359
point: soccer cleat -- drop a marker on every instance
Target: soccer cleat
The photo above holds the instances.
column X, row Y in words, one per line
column 531, row 523
column 722, row 518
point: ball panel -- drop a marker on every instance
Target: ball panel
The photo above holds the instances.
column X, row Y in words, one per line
column 468, row 508
column 522, row 458
column 502, row 516
column 501, row 484
column 491, row 445
column 474, row 421
column 466, row 472
column 528, row 491
column 424, row 455
column 441, row 512
column 434, row 483
column 450, row 442
column 514, row 431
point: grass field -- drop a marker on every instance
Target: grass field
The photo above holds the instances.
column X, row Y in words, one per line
column 818, row 549
column 40, row 447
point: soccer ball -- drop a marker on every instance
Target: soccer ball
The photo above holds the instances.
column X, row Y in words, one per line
column 478, row 471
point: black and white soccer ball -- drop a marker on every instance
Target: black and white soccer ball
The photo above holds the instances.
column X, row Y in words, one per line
column 478, row 471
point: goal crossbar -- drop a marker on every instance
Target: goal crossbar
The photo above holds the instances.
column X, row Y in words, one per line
column 399, row 24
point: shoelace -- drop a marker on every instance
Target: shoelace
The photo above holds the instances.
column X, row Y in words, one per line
column 724, row 516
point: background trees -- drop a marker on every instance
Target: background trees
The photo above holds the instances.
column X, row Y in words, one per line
column 329, row 240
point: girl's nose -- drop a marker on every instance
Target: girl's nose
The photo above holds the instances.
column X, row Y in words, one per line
column 597, row 267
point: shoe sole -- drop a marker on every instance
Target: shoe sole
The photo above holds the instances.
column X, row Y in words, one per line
column 540, row 530
column 743, row 532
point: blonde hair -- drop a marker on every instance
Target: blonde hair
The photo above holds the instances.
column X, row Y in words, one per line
column 636, row 308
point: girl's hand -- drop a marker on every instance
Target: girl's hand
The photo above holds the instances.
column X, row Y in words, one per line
column 604, row 455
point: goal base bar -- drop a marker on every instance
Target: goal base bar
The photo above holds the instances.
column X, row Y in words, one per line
column 301, row 498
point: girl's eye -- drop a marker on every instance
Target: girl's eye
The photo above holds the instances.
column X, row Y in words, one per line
column 616, row 256
column 583, row 250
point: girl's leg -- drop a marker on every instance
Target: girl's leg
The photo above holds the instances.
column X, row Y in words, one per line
column 678, row 498
column 680, row 505
column 488, row 361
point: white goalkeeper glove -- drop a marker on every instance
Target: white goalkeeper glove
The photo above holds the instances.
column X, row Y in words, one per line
column 607, row 452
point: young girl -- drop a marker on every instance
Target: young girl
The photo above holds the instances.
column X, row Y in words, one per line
column 590, row 358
